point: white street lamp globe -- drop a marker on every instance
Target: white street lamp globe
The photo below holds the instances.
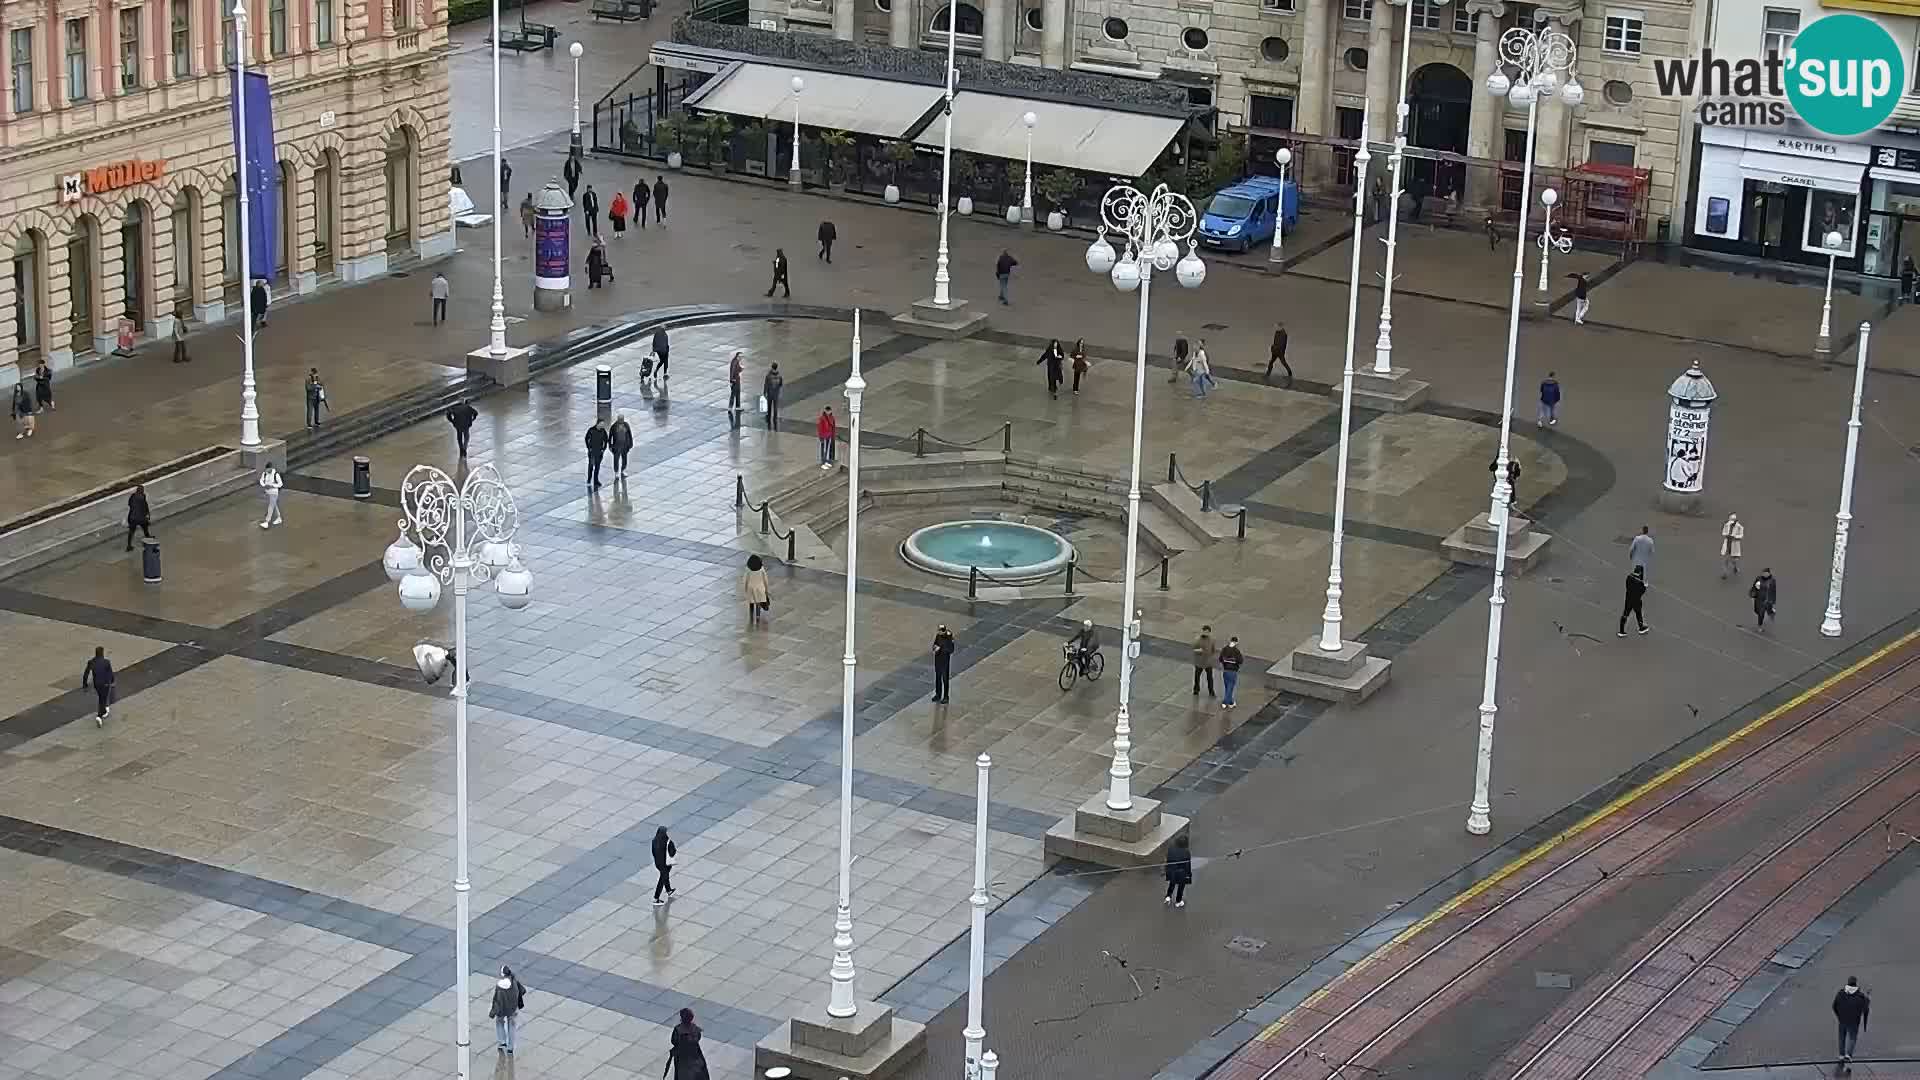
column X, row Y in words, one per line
column 1498, row 84
column 1548, row 197
column 1100, row 255
column 576, row 50
column 1165, row 254
column 1521, row 94
column 1284, row 156
column 1835, row 241
column 1573, row 94
column 514, row 584
column 799, row 84
column 496, row 554
column 401, row 559
column 1191, row 271
column 1029, row 120
column 1126, row 273
column 419, row 592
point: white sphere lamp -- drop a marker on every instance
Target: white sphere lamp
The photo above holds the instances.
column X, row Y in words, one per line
column 419, row 592
column 1126, row 273
column 1191, row 271
column 402, row 558
column 1100, row 255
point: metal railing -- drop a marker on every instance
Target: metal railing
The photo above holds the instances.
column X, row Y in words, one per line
column 921, row 435
column 975, row 574
column 765, row 510
column 1204, row 489
column 1160, row 566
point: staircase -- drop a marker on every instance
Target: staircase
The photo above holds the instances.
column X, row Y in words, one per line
column 338, row 435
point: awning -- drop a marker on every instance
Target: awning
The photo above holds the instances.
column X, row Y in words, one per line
column 1802, row 171
column 829, row 100
column 1102, row 141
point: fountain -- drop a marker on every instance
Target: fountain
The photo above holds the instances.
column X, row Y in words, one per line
column 1009, row 552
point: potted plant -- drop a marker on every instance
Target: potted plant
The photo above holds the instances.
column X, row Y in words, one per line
column 714, row 128
column 1016, row 190
column 839, row 147
column 669, row 135
column 899, row 152
column 1058, row 187
column 966, row 175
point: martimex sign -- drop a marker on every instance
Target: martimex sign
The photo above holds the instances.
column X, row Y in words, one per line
column 104, row 178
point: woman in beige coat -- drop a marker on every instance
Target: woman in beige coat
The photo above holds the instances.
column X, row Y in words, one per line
column 1730, row 536
column 753, row 586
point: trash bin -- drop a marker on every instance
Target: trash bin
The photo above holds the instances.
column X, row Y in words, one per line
column 150, row 560
column 553, row 35
column 362, row 478
column 603, row 385
column 1666, row 230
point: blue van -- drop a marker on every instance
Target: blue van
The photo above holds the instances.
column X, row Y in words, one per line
column 1242, row 215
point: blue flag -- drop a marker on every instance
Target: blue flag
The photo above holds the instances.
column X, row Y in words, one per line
column 262, row 175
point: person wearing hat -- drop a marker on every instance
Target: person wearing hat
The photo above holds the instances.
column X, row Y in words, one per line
column 942, row 664
column 509, row 997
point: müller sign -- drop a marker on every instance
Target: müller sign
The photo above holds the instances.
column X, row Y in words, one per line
column 104, row 178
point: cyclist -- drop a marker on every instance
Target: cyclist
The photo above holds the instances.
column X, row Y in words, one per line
column 1085, row 644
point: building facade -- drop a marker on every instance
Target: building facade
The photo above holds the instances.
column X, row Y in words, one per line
column 117, row 198
column 1275, row 68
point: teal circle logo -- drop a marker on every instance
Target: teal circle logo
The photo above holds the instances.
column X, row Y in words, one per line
column 1845, row 74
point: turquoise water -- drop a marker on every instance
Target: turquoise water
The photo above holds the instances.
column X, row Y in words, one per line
column 990, row 544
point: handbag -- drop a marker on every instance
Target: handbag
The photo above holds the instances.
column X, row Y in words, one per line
column 763, row 403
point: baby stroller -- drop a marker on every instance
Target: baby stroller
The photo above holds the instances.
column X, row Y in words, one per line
column 646, row 371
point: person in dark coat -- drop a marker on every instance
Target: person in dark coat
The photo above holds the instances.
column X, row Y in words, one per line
column 1179, row 872
column 590, row 210
column 23, row 410
column 770, row 389
column 316, row 392
column 571, row 173
column 1181, row 350
column 508, row 996
column 139, row 516
column 1513, row 478
column 257, row 303
column 641, row 197
column 620, row 441
column 43, row 386
column 688, row 1062
column 1055, row 360
column 942, row 664
column 1764, row 591
column 506, row 181
column 663, row 855
column 99, row 674
column 1079, row 362
column 1003, row 271
column 827, row 236
column 660, row 199
column 1908, row 272
column 660, row 346
column 1278, row 353
column 1636, row 599
column 780, row 274
column 596, row 449
column 462, row 416
column 596, row 266
column 1851, row 1007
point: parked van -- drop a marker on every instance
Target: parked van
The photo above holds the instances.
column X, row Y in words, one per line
column 1242, row 214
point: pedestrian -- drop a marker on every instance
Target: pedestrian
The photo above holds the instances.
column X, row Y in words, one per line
column 1079, row 357
column 270, row 485
column 1003, row 271
column 1549, row 401
column 1493, row 235
column 1580, row 303
column 257, row 301
column 1908, row 271
column 780, row 273
column 733, row 384
column 505, row 1008
column 506, row 182
column 1640, row 551
column 527, row 214
column 825, row 428
column 462, row 416
column 571, row 172
column 620, row 441
column 770, row 395
column 1636, row 601
column 1764, row 591
column 661, row 345
column 641, row 197
column 660, row 198
column 1200, row 370
column 942, row 664
column 596, row 264
column 99, row 674
column 1180, row 351
column 1054, row 359
column 688, row 1062
column 1230, row 660
column 596, row 440
column 441, row 290
column 139, row 514
column 1513, row 478
column 753, row 587
column 664, row 853
column 1277, row 353
column 180, row 340
column 1851, row 1007
column 316, row 392
column 22, row 410
column 827, row 236
column 1379, row 199
column 1179, row 871
column 1205, row 655
column 1730, row 536
column 43, row 387
column 590, row 210
column 617, row 213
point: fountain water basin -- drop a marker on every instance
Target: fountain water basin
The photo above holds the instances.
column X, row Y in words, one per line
column 1009, row 552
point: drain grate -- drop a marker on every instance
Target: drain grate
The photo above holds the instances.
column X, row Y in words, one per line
column 1552, row 980
column 1246, row 946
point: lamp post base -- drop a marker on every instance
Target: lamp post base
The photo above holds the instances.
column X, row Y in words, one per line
column 1095, row 833
column 1681, row 502
column 872, row 1044
column 507, row 369
column 1823, row 346
column 1473, row 544
column 950, row 320
column 1348, row 676
column 1397, row 391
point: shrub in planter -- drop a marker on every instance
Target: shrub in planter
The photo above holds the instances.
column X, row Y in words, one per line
column 899, row 153
column 668, row 136
column 1059, row 187
column 839, row 149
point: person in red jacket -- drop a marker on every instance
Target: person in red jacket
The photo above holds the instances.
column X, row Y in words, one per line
column 825, row 428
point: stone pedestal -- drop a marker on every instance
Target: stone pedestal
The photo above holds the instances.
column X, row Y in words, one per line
column 255, row 458
column 1134, row 837
column 872, row 1044
column 950, row 320
column 507, row 369
column 1475, row 543
column 1681, row 502
column 1397, row 392
column 1348, row 676
column 552, row 299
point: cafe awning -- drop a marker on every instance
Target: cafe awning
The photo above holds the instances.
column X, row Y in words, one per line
column 1107, row 142
column 828, row 99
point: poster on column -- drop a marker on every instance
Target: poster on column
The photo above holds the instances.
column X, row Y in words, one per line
column 550, row 250
column 1687, row 448
column 262, row 173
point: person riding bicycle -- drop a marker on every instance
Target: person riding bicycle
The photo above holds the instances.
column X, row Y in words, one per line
column 1085, row 643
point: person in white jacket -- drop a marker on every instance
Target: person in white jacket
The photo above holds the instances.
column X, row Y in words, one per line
column 1730, row 536
column 271, row 484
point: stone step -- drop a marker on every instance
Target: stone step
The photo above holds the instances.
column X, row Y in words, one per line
column 1064, row 476
column 1165, row 533
column 1180, row 501
column 1043, row 495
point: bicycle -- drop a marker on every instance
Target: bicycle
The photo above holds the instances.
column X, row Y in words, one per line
column 1073, row 669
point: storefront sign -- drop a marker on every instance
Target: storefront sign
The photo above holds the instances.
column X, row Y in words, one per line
column 104, row 178
column 1687, row 448
column 1896, row 157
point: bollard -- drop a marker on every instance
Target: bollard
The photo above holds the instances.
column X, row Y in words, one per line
column 1163, row 573
column 603, row 385
column 739, row 492
column 1006, row 437
column 1070, row 565
column 973, row 581
column 790, row 537
column 919, row 442
column 1173, row 464
column 362, row 478
column 1243, row 523
column 1206, row 496
column 150, row 560
column 766, row 517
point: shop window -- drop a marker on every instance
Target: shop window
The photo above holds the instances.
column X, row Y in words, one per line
column 1285, row 7
column 1275, row 50
column 76, row 59
column 1516, row 145
column 1779, row 26
column 181, row 38
column 1268, row 111
column 1423, row 15
column 1464, row 21
column 130, row 49
column 323, row 22
column 1352, row 126
column 1610, row 153
column 20, row 62
column 1623, row 31
column 403, row 14
column 1528, row 16
column 1200, row 97
column 1357, row 10
column 277, row 27
column 227, row 42
column 1830, row 212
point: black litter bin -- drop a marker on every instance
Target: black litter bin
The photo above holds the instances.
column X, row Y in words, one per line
column 552, row 36
column 150, row 560
column 1666, row 230
column 362, row 478
column 603, row 385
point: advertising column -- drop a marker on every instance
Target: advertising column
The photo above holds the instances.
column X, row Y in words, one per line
column 1689, row 414
column 552, row 287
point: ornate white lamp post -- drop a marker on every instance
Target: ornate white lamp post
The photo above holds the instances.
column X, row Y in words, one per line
column 576, row 50
column 1152, row 228
column 1843, row 521
column 497, row 324
column 249, row 400
column 457, row 534
column 942, row 281
column 1330, row 617
column 1026, row 194
column 1282, row 157
column 1540, row 56
column 976, row 1032
column 793, row 171
column 841, row 1000
column 1824, row 343
column 1383, row 345
column 1550, row 242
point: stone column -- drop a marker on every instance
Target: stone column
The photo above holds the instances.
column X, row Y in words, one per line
column 9, row 352
column 900, row 28
column 1484, row 118
column 56, row 341
column 996, row 37
column 845, row 19
column 211, row 260
column 300, row 273
column 1383, row 63
column 1314, row 109
column 160, row 294
column 111, row 263
column 1551, row 152
column 1053, row 34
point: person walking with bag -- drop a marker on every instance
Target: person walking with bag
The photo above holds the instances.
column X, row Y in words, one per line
column 942, row 664
column 22, row 410
column 508, row 995
column 99, row 674
column 43, row 387
column 1179, row 871
column 1851, row 1007
column 685, row 1058
column 770, row 395
column 1731, row 534
column 316, row 392
column 1764, row 591
column 780, row 274
column 753, row 587
column 1205, row 655
column 734, row 367
column 270, row 484
column 139, row 514
column 180, row 340
column 620, row 441
column 1199, row 370
column 664, row 853
column 618, row 214
column 1080, row 365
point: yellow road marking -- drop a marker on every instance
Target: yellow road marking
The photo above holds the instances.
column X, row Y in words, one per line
column 1611, row 808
